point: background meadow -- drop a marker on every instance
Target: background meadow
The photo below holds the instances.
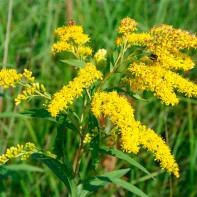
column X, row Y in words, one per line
column 31, row 36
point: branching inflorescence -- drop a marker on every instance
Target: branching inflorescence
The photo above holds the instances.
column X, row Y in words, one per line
column 154, row 69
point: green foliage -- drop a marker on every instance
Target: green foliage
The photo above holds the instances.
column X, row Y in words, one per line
column 31, row 37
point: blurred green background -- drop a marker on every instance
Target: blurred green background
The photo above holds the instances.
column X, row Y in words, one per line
column 32, row 34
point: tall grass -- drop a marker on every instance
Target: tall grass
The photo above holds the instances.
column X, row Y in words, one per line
column 31, row 36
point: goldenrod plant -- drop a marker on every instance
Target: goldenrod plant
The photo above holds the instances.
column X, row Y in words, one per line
column 147, row 61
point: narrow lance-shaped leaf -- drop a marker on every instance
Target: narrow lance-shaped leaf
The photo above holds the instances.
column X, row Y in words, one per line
column 76, row 63
column 61, row 171
column 94, row 183
column 94, row 144
column 123, row 156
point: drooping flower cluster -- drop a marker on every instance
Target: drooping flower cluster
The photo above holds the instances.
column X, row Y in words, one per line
column 160, row 81
column 9, row 77
column 20, row 151
column 133, row 134
column 72, row 39
column 74, row 89
column 162, row 48
column 99, row 58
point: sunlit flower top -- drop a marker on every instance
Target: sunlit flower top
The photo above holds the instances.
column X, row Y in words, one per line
column 72, row 39
column 162, row 56
column 74, row 89
column 133, row 134
column 127, row 25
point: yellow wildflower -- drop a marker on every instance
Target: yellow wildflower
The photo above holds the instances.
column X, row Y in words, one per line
column 72, row 39
column 87, row 139
column 132, row 132
column 74, row 89
column 127, row 25
column 14, row 152
column 28, row 75
column 8, row 78
column 160, row 81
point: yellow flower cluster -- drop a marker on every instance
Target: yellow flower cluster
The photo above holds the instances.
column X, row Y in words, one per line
column 27, row 94
column 127, row 25
column 155, row 71
column 74, row 89
column 28, row 75
column 166, row 43
column 72, row 39
column 20, row 150
column 133, row 39
column 126, row 35
column 160, row 81
column 133, row 134
column 87, row 139
column 99, row 58
column 8, row 78
column 165, row 40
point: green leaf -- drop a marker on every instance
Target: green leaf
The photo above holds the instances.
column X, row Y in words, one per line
column 94, row 183
column 131, row 94
column 77, row 63
column 23, row 167
column 39, row 113
column 11, row 114
column 61, row 136
column 128, row 186
column 123, row 156
column 61, row 171
column 2, row 95
column 114, row 56
column 138, row 97
column 94, row 144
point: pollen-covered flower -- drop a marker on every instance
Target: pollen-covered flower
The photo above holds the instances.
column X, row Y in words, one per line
column 8, row 78
column 19, row 151
column 72, row 39
column 166, row 39
column 166, row 43
column 99, row 58
column 74, row 89
column 133, row 134
column 127, row 25
column 162, row 82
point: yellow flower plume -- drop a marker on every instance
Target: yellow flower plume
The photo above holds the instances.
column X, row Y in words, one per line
column 74, row 89
column 133, row 134
column 72, row 39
